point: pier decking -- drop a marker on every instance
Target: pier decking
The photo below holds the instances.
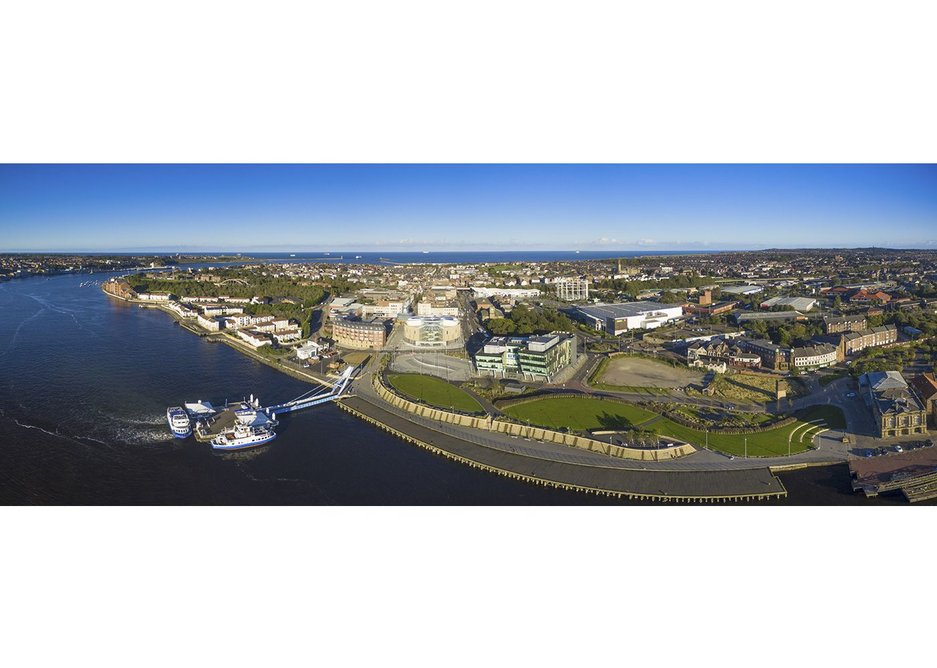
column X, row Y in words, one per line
column 693, row 486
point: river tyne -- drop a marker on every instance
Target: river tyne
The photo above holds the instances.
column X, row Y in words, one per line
column 84, row 385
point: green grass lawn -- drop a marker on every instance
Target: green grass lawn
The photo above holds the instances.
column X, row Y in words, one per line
column 435, row 392
column 579, row 413
column 770, row 443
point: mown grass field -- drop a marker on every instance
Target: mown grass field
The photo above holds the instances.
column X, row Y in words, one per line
column 770, row 443
column 581, row 414
column 435, row 392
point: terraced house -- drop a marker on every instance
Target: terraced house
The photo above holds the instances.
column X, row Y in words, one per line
column 813, row 356
column 844, row 323
column 852, row 342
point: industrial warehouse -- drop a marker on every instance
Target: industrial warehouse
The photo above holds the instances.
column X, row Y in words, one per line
column 619, row 318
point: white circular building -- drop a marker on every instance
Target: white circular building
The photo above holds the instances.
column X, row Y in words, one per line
column 432, row 331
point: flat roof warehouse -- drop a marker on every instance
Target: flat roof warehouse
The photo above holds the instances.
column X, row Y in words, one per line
column 625, row 310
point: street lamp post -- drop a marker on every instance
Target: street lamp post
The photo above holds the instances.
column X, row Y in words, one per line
column 746, row 447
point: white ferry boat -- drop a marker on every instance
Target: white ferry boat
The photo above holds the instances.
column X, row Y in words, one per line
column 242, row 437
column 179, row 422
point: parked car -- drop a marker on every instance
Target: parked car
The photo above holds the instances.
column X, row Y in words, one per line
column 850, row 395
column 898, row 448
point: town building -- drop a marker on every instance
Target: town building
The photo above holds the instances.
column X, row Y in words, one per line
column 814, row 356
column 925, row 385
column 308, row 350
column 895, row 407
column 535, row 357
column 742, row 290
column 711, row 309
column 719, row 351
column 432, row 331
column 844, row 323
column 221, row 309
column 515, row 293
column 864, row 296
column 211, row 324
column 437, row 307
column 359, row 334
column 773, row 356
column 852, row 342
column 254, row 338
column 741, row 317
column 619, row 318
column 183, row 310
column 341, row 307
column 384, row 308
column 154, row 296
column 288, row 334
column 796, row 303
column 572, row 289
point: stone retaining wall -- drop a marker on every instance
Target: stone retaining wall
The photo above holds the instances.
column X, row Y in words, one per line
column 524, row 431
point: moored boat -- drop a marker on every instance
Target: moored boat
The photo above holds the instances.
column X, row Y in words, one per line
column 243, row 437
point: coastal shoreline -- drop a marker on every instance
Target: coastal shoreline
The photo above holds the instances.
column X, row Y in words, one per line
column 221, row 337
column 733, row 486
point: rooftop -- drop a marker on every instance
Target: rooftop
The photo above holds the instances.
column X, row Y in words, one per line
column 625, row 309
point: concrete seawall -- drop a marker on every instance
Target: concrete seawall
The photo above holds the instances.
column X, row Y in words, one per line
column 686, row 486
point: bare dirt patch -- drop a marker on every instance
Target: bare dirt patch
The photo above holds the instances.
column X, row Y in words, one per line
column 642, row 372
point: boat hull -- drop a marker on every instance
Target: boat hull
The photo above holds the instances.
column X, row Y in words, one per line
column 242, row 446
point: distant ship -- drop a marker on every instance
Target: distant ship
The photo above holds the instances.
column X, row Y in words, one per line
column 425, row 252
column 357, row 257
column 179, row 422
column 292, row 254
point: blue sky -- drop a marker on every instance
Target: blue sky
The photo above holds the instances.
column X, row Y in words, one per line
column 464, row 207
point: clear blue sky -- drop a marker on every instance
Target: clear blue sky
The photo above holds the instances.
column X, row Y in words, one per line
column 464, row 207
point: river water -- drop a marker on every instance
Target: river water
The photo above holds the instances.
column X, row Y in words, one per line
column 84, row 385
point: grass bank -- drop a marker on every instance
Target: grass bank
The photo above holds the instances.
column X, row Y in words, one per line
column 583, row 414
column 435, row 392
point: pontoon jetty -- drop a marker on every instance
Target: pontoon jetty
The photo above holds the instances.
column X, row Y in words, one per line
column 245, row 424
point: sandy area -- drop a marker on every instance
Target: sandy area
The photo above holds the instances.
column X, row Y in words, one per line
column 640, row 372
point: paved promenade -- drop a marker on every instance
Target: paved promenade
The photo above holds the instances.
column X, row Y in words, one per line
column 830, row 451
column 610, row 479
